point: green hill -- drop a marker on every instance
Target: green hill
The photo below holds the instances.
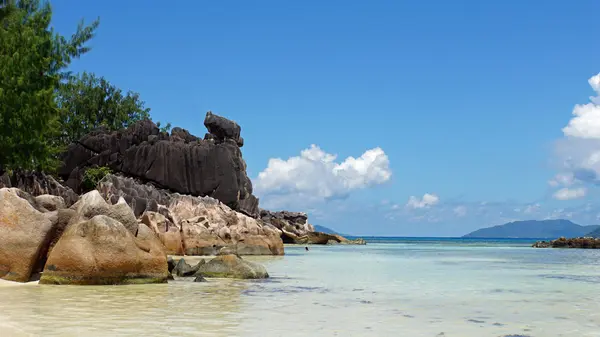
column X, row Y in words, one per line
column 542, row 229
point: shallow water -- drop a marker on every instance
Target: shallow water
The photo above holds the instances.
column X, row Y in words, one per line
column 382, row 289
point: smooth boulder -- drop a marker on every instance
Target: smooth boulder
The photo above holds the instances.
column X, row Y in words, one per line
column 232, row 266
column 24, row 233
column 51, row 202
column 102, row 251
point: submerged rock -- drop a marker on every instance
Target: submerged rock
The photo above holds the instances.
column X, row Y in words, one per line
column 199, row 278
column 232, row 266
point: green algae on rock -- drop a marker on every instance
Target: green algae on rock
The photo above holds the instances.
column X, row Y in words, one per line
column 232, row 266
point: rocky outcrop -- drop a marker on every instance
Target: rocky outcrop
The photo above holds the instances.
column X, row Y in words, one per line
column 102, row 246
column 168, row 232
column 37, row 184
column 193, row 225
column 584, row 242
column 178, row 162
column 295, row 229
column 293, row 225
column 232, row 266
column 25, row 234
column 207, row 225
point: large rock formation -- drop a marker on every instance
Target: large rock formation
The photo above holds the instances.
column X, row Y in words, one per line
column 179, row 162
column 193, row 225
column 90, row 243
column 104, row 244
column 24, row 235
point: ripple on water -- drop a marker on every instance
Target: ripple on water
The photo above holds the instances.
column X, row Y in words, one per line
column 347, row 291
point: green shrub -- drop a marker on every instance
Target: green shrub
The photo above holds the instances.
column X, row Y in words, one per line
column 92, row 176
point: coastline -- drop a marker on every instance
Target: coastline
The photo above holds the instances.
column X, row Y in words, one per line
column 6, row 284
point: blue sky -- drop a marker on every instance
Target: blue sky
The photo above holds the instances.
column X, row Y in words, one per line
column 465, row 101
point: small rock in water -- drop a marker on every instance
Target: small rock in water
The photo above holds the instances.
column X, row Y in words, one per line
column 171, row 263
column 199, row 278
column 232, row 266
column 227, row 251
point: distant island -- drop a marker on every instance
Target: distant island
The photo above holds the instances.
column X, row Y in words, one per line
column 550, row 229
column 595, row 233
column 326, row 230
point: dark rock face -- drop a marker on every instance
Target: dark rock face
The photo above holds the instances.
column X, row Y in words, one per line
column 297, row 218
column 36, row 184
column 179, row 162
column 140, row 197
column 222, row 129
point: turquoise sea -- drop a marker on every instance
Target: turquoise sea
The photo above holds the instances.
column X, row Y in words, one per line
column 390, row 287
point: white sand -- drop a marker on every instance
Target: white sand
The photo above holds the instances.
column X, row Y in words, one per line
column 5, row 283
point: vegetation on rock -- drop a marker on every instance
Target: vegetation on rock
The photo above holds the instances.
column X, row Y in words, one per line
column 43, row 107
column 33, row 59
column 93, row 175
column 88, row 102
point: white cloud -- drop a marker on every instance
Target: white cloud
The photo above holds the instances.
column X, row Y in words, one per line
column 586, row 123
column 562, row 179
column 532, row 208
column 426, row 201
column 579, row 151
column 570, row 193
column 460, row 211
column 315, row 174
